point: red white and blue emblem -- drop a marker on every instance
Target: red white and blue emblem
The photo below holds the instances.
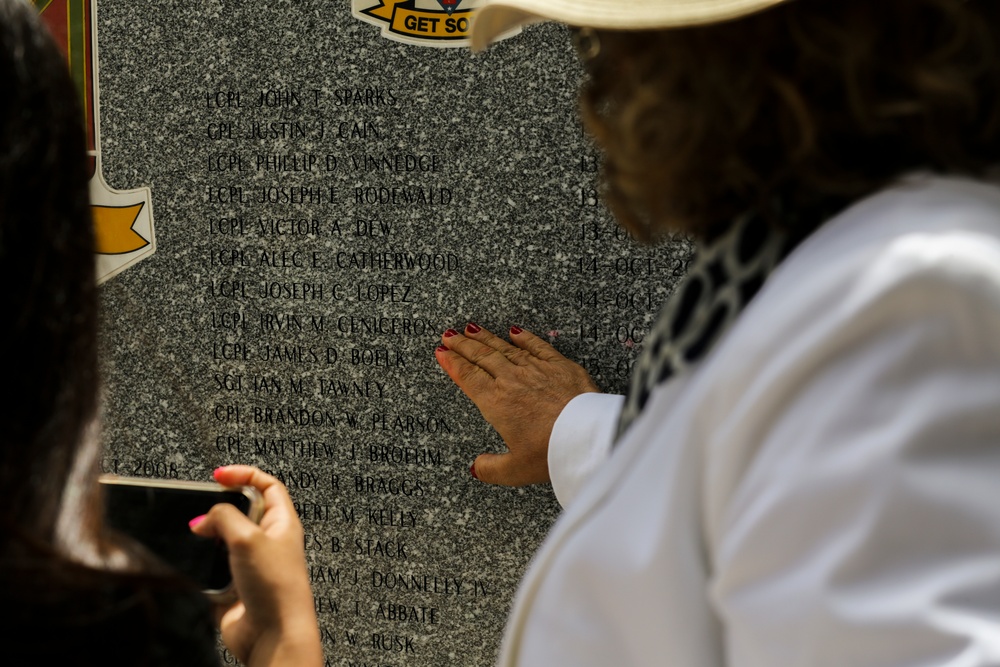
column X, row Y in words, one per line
column 449, row 6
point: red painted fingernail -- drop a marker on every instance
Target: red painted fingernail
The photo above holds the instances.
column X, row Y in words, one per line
column 516, row 330
column 449, row 333
column 472, row 328
column 472, row 471
column 441, row 348
column 195, row 521
column 215, row 473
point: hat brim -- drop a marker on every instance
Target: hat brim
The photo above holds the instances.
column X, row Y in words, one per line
column 498, row 17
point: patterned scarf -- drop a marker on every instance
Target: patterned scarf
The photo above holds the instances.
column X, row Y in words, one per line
column 724, row 277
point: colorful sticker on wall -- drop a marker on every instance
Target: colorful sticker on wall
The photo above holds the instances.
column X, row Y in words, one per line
column 423, row 22
column 123, row 220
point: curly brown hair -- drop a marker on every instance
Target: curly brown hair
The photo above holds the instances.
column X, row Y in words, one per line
column 811, row 103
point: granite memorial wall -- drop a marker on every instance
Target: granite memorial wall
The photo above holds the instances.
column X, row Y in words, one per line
column 327, row 202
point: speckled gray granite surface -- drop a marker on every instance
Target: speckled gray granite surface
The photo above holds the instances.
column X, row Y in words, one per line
column 425, row 188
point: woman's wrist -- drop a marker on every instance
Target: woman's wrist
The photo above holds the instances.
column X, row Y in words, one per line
column 301, row 648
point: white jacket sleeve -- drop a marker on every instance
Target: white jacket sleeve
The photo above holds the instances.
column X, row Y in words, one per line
column 864, row 526
column 581, row 440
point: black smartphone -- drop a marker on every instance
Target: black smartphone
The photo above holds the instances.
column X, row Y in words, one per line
column 156, row 514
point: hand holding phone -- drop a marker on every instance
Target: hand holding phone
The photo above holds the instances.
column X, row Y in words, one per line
column 275, row 618
column 156, row 513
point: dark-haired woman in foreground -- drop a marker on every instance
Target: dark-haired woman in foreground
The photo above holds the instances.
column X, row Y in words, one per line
column 71, row 594
column 806, row 470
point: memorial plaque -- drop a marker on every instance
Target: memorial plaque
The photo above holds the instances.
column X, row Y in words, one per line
column 328, row 202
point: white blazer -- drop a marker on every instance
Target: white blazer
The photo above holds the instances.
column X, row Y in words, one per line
column 823, row 489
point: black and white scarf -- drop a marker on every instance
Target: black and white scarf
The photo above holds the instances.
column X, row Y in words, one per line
column 724, row 276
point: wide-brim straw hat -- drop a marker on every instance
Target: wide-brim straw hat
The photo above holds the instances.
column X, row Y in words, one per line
column 497, row 17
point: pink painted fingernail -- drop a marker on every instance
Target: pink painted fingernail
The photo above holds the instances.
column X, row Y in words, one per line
column 514, row 330
column 195, row 521
column 218, row 471
column 449, row 333
column 472, row 328
column 472, row 471
column 441, row 348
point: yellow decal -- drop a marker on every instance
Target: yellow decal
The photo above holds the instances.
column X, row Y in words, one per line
column 424, row 22
column 113, row 227
column 430, row 25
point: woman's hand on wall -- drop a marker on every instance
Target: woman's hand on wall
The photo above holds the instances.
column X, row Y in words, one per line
column 520, row 387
